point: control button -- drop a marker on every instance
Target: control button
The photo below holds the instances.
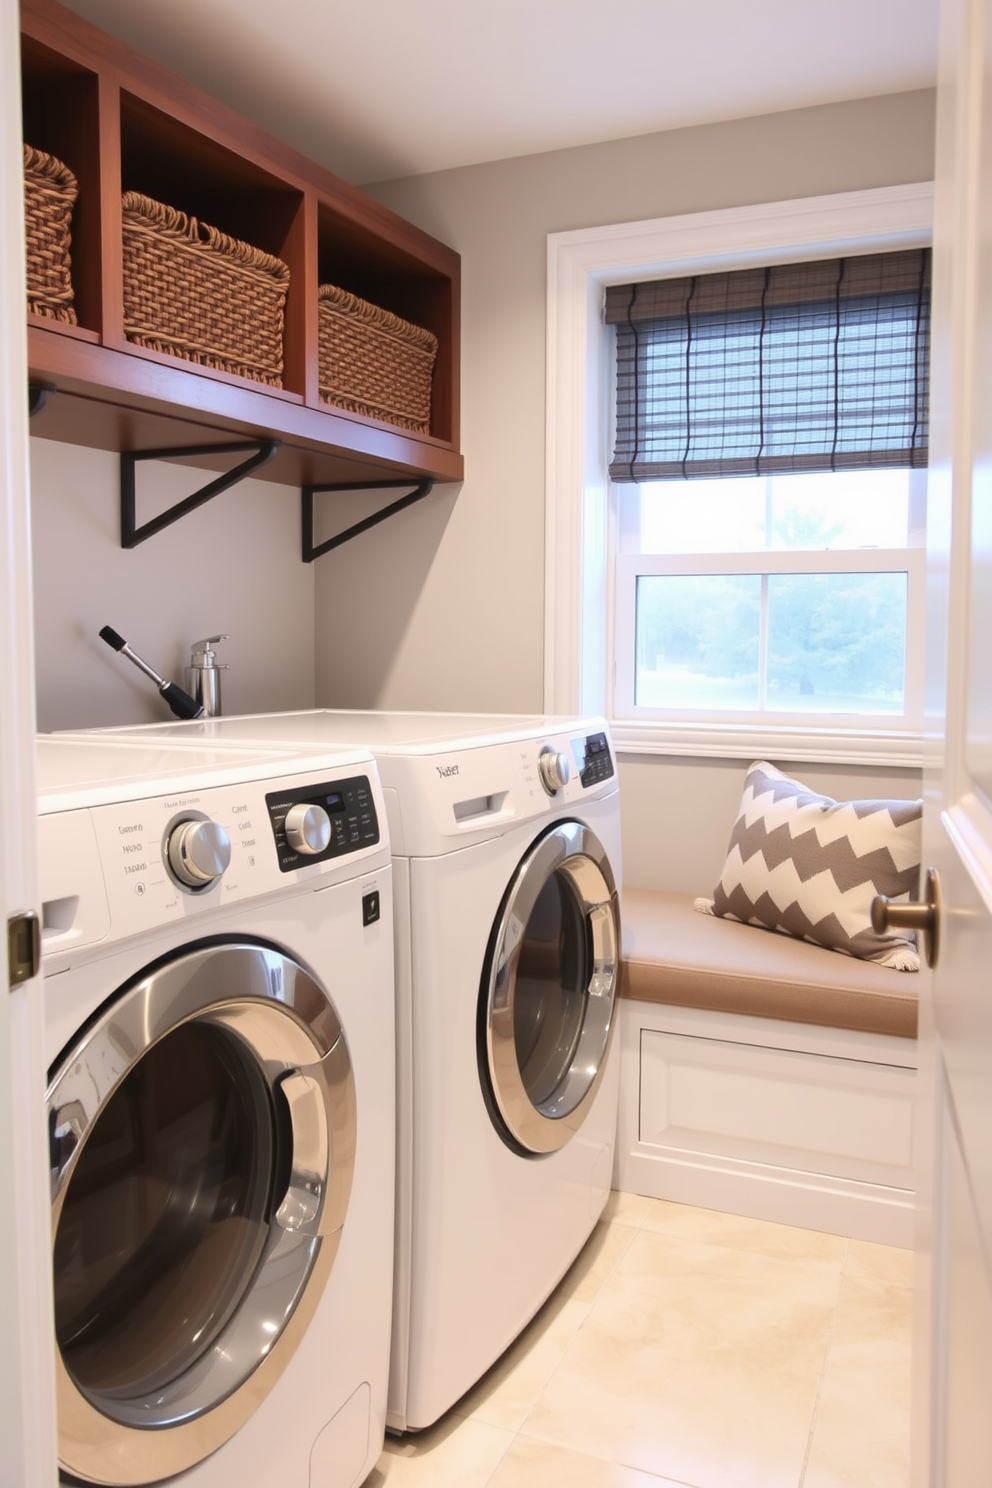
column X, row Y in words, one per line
column 601, row 769
column 308, row 829
column 328, row 822
column 199, row 853
column 553, row 769
column 370, row 907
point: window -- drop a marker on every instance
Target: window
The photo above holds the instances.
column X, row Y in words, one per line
column 768, row 602
column 787, row 586
column 774, row 595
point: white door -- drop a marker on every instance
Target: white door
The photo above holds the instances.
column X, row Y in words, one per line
column 953, row 1414
column 27, row 1395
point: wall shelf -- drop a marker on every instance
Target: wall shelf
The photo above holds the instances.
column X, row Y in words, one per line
column 121, row 123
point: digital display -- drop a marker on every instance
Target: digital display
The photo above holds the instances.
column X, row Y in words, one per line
column 352, row 814
column 598, row 764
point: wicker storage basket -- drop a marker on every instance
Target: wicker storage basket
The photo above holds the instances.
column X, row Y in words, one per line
column 49, row 195
column 195, row 293
column 373, row 362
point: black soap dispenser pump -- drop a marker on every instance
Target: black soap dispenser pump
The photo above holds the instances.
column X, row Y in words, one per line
column 203, row 675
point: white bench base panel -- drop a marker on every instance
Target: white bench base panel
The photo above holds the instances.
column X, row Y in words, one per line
column 801, row 1125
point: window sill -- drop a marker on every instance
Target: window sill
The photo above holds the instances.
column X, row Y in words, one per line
column 897, row 749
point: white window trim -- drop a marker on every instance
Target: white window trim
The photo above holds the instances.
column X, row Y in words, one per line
column 578, row 538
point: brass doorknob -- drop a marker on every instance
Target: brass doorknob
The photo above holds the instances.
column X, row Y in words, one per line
column 923, row 917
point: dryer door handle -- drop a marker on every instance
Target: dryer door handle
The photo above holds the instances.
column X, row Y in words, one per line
column 322, row 1117
column 303, row 1202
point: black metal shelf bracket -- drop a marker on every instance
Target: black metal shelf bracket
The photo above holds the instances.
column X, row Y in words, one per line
column 312, row 550
column 38, row 396
column 132, row 534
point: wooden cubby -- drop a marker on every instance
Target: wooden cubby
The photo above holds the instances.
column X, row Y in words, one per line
column 60, row 102
column 170, row 162
column 122, row 123
column 387, row 274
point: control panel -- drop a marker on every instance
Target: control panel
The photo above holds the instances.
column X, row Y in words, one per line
column 324, row 821
column 124, row 868
column 598, row 762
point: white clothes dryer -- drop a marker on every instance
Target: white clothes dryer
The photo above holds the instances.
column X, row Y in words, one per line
column 506, row 855
column 218, row 985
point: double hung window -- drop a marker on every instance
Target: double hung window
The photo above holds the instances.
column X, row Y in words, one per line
column 770, row 479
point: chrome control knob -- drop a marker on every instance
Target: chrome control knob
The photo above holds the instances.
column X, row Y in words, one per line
column 199, row 852
column 308, row 829
column 553, row 769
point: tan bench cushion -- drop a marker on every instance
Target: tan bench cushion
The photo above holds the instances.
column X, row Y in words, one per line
column 674, row 955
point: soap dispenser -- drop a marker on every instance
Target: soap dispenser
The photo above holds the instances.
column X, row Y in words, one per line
column 203, row 675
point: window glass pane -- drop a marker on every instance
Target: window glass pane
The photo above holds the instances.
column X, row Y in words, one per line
column 703, row 516
column 697, row 641
column 836, row 642
column 845, row 509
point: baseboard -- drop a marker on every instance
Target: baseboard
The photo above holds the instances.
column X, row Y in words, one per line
column 859, row 1211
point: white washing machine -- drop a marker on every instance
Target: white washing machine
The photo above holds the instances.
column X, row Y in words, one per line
column 218, row 984
column 506, row 855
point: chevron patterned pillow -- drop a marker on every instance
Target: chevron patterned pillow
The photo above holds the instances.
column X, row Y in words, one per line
column 809, row 866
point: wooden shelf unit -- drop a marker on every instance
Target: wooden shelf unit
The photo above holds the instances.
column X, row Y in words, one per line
column 121, row 122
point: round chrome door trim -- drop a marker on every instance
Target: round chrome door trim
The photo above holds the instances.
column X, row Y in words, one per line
column 283, row 1024
column 573, row 853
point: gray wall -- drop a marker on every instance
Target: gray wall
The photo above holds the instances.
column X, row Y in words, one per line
column 442, row 607
column 677, row 813
column 232, row 566
column 457, row 586
column 461, row 586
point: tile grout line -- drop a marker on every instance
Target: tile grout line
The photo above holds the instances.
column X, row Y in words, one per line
column 610, row 1223
column 502, row 1459
column 637, row 1229
column 826, row 1362
column 567, row 1350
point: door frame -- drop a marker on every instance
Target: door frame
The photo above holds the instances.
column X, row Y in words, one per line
column 956, row 825
column 27, row 1369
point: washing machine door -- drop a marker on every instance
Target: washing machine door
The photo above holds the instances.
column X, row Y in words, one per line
column 547, row 1010
column 202, row 1142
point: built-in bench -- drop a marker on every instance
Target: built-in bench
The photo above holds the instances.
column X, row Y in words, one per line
column 764, row 1076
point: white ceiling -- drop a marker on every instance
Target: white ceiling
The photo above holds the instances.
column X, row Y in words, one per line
column 376, row 89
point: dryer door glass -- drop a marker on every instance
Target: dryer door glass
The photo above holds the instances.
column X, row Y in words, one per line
column 547, row 1006
column 165, row 1218
column 202, row 1140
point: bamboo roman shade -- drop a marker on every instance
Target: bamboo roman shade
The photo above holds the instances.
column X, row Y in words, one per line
column 789, row 368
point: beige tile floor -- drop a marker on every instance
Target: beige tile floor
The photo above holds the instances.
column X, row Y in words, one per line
column 691, row 1348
